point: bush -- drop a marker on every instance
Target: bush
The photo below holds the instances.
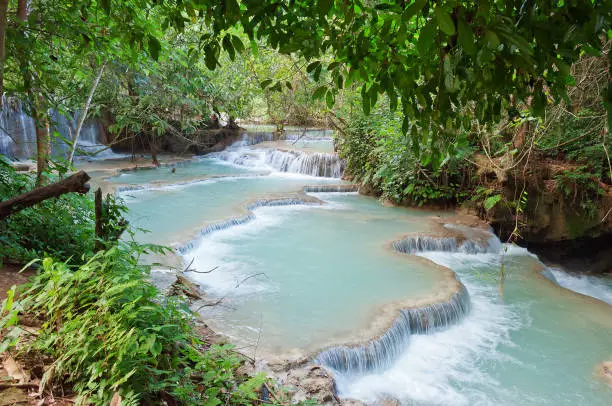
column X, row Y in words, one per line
column 61, row 228
column 109, row 330
column 379, row 155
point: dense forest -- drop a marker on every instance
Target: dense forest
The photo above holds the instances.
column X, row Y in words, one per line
column 498, row 107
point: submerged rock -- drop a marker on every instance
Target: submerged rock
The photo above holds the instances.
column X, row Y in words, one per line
column 605, row 371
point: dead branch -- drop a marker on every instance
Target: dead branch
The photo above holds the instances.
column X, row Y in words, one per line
column 201, row 272
column 251, row 276
column 76, row 183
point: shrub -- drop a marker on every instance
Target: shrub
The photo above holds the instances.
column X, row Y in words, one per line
column 109, row 330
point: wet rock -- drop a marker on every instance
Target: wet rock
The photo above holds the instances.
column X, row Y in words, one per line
column 388, row 402
column 312, row 382
column 183, row 286
column 351, row 402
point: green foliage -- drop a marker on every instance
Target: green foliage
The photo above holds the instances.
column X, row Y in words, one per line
column 109, row 330
column 378, row 154
column 62, row 227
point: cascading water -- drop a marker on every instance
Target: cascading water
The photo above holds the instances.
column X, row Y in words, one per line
column 319, row 164
column 599, row 287
column 18, row 132
column 380, row 353
column 315, row 164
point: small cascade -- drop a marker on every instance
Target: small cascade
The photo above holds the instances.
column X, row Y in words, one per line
column 319, row 164
column 313, row 164
column 235, row 221
column 379, row 353
column 331, row 188
column 424, row 243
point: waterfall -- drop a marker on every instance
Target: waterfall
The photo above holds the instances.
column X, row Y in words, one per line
column 351, row 188
column 314, row 164
column 319, row 164
column 235, row 221
column 18, row 132
column 425, row 243
column 379, row 353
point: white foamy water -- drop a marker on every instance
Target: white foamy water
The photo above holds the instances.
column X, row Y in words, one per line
column 229, row 278
column 590, row 285
column 320, row 164
column 444, row 368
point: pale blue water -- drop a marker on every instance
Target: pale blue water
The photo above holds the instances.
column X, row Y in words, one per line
column 197, row 168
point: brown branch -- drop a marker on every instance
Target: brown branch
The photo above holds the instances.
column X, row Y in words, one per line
column 76, row 183
column 193, row 270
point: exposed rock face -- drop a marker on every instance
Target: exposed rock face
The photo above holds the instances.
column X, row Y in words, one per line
column 184, row 287
column 560, row 231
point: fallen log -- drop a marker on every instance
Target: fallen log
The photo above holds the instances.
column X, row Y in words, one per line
column 76, row 183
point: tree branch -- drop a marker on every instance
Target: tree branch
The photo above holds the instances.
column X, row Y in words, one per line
column 76, row 183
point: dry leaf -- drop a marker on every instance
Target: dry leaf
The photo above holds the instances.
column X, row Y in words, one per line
column 116, row 400
column 15, row 370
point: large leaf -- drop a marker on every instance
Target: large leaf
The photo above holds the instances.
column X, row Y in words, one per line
column 427, row 38
column 445, row 21
column 466, row 37
column 413, row 9
column 491, row 201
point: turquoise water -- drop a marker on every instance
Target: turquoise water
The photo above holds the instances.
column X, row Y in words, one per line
column 304, row 293
column 197, row 168
column 176, row 213
column 303, row 276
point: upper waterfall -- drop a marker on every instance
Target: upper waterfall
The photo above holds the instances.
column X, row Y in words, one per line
column 297, row 160
column 18, row 132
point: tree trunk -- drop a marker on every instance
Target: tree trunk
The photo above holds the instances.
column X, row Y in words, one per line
column 43, row 141
column 153, row 149
column 83, row 116
column 3, row 21
column 37, row 105
column 76, row 183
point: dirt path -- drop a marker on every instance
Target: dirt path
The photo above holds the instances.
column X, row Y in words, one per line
column 9, row 276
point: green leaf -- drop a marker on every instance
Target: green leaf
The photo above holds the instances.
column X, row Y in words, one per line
column 324, row 6
column 427, row 38
column 210, row 57
column 329, row 99
column 229, row 48
column 491, row 201
column 265, row 83
column 411, row 11
column 319, row 93
column 466, row 37
column 405, row 124
column 238, row 45
column 232, row 8
column 106, row 6
column 288, row 84
column 312, row 66
column 491, row 39
column 317, row 73
column 445, row 21
column 154, row 47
